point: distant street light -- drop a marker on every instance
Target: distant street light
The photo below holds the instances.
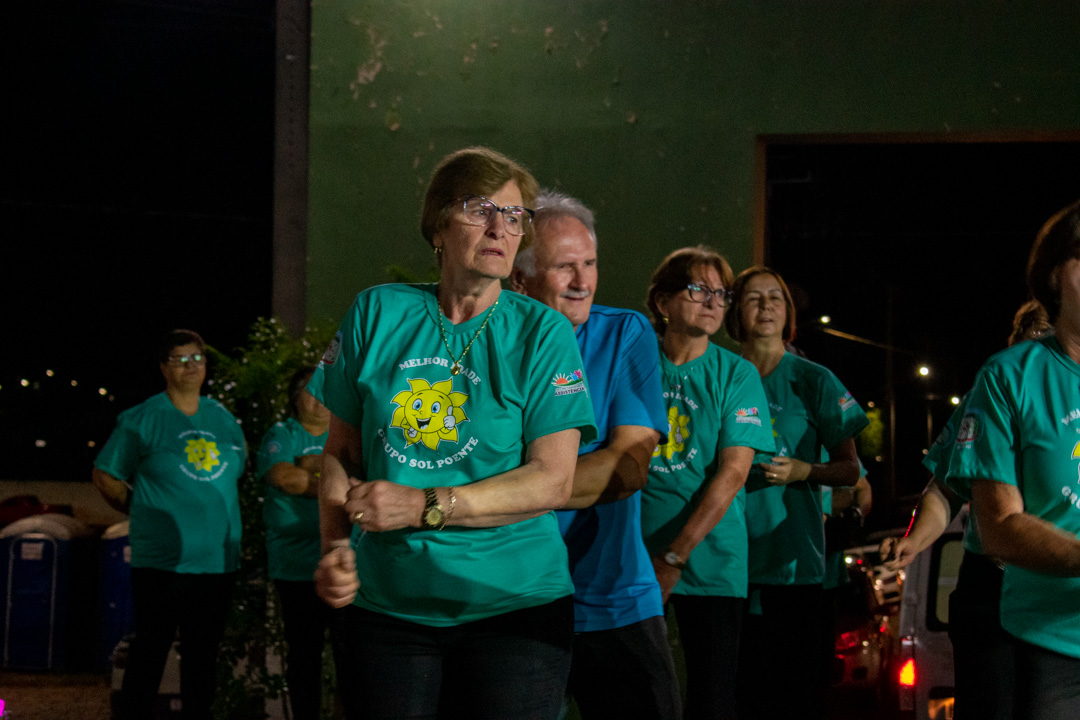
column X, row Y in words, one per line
column 954, row 400
column 825, row 319
column 924, row 370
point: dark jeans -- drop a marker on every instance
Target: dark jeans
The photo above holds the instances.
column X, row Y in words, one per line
column 625, row 672
column 781, row 655
column 1047, row 684
column 709, row 629
column 306, row 619
column 163, row 602
column 513, row 665
column 983, row 653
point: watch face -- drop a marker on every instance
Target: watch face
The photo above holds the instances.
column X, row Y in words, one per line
column 433, row 516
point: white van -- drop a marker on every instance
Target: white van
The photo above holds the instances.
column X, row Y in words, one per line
column 924, row 671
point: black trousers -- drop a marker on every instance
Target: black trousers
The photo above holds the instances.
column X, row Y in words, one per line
column 512, row 666
column 625, row 672
column 709, row 630
column 164, row 602
column 983, row 653
column 306, row 618
column 781, row 655
column 1047, row 684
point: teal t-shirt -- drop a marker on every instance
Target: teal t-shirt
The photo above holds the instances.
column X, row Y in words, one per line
column 185, row 509
column 811, row 411
column 937, row 462
column 714, row 402
column 1021, row 426
column 388, row 374
column 292, row 521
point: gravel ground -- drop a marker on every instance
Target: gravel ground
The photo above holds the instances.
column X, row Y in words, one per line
column 44, row 696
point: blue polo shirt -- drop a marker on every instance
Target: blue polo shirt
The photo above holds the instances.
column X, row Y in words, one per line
column 614, row 581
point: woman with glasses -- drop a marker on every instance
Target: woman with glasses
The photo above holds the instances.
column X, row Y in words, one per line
column 692, row 506
column 456, row 414
column 173, row 463
column 1017, row 447
column 289, row 462
column 811, row 411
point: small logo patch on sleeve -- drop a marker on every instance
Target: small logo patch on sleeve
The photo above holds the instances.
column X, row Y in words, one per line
column 748, row 415
column 568, row 384
column 847, row 402
column 331, row 355
column 970, row 429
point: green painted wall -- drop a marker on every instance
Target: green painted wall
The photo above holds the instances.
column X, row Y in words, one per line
column 648, row 111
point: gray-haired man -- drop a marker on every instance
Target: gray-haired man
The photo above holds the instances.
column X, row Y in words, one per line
column 622, row 664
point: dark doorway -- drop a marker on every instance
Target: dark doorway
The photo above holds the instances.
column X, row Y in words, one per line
column 937, row 231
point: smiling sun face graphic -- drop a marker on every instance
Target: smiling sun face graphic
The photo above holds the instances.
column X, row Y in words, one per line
column 678, row 433
column 429, row 413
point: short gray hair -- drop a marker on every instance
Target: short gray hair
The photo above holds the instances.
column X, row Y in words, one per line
column 553, row 205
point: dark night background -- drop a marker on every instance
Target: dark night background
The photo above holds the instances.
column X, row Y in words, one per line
column 945, row 229
column 136, row 196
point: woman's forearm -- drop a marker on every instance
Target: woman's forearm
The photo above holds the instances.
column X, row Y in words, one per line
column 932, row 516
column 842, row 470
column 340, row 452
column 541, row 484
column 115, row 492
column 334, row 523
column 735, row 465
column 1017, row 538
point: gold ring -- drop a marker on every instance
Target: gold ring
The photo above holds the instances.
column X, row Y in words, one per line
column 357, row 516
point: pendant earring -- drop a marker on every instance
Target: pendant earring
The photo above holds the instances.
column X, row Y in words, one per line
column 665, row 320
column 438, row 251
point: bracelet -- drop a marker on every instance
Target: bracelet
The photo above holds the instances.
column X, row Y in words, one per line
column 450, row 510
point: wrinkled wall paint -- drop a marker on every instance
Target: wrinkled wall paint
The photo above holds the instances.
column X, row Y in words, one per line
column 648, row 111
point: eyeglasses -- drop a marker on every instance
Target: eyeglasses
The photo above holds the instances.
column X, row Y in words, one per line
column 701, row 294
column 182, row 360
column 479, row 210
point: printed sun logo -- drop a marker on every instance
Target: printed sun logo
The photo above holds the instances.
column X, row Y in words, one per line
column 203, row 454
column 678, row 432
column 429, row 413
column 561, row 380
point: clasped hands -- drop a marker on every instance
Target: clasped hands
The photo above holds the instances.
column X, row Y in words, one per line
column 375, row 506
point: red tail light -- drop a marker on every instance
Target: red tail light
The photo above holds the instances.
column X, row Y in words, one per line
column 907, row 673
column 852, row 639
column 906, row 676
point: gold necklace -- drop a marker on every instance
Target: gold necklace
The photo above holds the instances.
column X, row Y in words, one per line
column 456, row 367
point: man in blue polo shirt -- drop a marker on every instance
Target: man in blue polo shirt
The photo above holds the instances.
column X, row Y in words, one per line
column 622, row 663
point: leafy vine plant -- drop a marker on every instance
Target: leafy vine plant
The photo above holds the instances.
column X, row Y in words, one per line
column 252, row 382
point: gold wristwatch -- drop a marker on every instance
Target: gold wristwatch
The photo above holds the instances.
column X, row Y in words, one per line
column 434, row 517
